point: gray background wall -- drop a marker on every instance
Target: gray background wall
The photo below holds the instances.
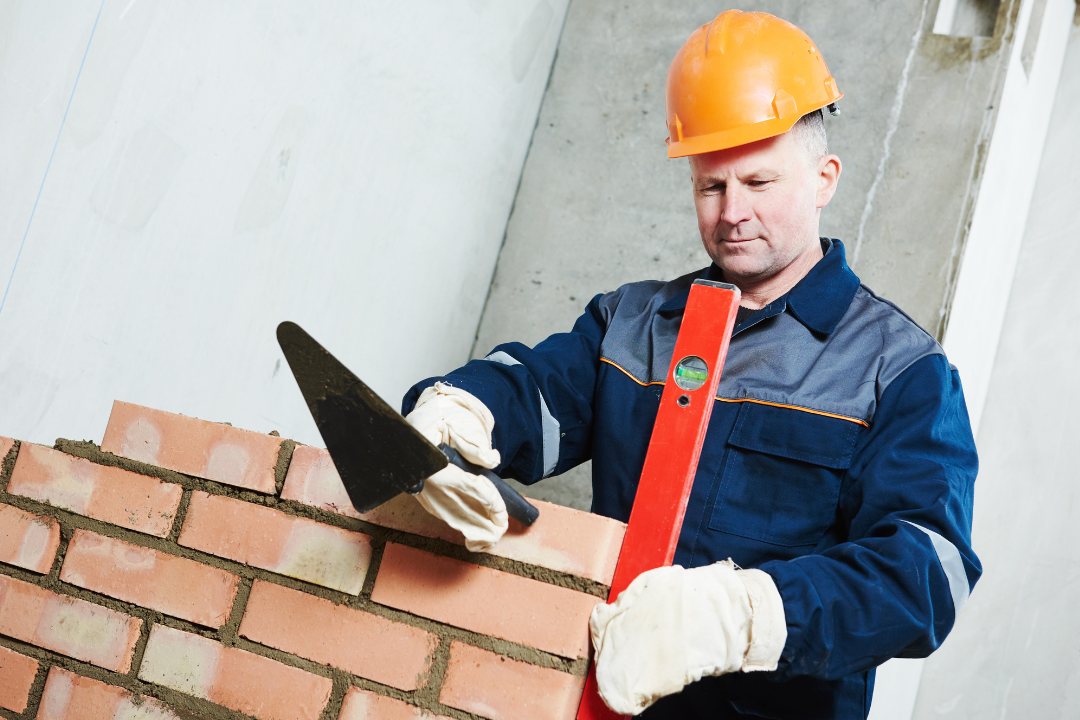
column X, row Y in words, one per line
column 601, row 205
column 938, row 175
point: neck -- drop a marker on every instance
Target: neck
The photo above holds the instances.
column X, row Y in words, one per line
column 757, row 293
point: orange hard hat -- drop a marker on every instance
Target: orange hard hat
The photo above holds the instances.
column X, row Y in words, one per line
column 743, row 77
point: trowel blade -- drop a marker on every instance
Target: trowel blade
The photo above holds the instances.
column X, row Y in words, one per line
column 376, row 452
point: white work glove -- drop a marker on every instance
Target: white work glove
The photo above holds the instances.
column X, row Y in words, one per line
column 466, row 502
column 673, row 626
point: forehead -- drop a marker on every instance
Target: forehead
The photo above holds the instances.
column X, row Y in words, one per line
column 776, row 154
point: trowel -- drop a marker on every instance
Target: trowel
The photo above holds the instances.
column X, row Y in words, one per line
column 376, row 452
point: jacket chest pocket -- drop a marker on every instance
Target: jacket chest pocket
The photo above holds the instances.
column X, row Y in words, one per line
column 781, row 482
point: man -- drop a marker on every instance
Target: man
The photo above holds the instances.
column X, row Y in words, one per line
column 829, row 524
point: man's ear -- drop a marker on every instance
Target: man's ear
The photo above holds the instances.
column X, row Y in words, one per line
column 829, row 169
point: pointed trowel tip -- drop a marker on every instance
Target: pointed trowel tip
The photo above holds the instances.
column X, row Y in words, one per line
column 287, row 330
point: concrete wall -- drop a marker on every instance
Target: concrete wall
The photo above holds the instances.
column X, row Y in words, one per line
column 600, row 204
column 1013, row 653
column 941, row 134
column 179, row 178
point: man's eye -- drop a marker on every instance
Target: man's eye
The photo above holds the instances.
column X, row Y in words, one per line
column 758, row 183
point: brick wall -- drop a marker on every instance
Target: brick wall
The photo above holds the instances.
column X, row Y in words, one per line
column 188, row 569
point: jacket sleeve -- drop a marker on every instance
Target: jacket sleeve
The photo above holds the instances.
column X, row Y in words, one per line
column 541, row 397
column 895, row 586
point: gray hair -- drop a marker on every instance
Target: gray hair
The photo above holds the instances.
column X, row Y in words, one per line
column 810, row 131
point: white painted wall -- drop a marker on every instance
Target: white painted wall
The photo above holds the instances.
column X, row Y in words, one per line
column 988, row 266
column 1013, row 655
column 180, row 177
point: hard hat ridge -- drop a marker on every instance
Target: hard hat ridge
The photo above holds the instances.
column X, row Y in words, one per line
column 743, row 77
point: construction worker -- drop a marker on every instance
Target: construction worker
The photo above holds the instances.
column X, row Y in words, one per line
column 829, row 523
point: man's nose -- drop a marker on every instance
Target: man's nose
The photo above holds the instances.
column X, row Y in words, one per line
column 735, row 206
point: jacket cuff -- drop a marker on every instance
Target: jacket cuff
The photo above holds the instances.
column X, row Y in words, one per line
column 768, row 625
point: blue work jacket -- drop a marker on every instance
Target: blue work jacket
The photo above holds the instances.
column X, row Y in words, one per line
column 839, row 459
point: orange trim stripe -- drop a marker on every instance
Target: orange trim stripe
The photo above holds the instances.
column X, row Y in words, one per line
column 796, row 407
column 749, row 400
column 642, row 384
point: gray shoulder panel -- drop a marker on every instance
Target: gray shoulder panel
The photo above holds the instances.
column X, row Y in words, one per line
column 636, row 334
column 907, row 341
column 777, row 360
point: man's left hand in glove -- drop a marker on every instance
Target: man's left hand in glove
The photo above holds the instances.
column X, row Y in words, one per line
column 673, row 626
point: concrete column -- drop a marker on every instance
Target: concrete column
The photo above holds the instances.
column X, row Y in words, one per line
column 1013, row 651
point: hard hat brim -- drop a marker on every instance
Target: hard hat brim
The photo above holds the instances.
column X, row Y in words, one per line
column 733, row 137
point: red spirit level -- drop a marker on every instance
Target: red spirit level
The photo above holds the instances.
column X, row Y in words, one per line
column 672, row 458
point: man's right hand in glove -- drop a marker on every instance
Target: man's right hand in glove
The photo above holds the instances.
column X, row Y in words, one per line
column 466, row 502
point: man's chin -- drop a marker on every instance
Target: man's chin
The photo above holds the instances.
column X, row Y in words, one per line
column 741, row 268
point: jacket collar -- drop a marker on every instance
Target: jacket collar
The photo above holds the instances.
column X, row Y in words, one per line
column 818, row 301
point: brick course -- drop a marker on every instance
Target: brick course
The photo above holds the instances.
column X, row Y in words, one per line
column 366, row 645
column 68, row 626
column 272, row 540
column 201, row 600
column 208, row 450
column 485, row 600
column 496, row 687
column 69, row 696
column 237, row 679
column 561, row 538
column 169, row 584
column 363, row 705
column 109, row 494
column 27, row 540
column 17, row 673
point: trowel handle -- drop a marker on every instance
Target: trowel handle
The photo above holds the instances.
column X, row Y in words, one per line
column 516, row 506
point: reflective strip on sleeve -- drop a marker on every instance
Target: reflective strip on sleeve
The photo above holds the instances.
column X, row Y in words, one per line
column 952, row 564
column 549, row 424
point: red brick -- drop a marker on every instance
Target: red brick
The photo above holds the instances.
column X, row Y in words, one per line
column 499, row 688
column 5, row 447
column 239, row 680
column 69, row 696
column 104, row 493
column 365, row 705
column 194, row 447
column 562, row 538
column 17, row 674
column 71, row 627
column 484, row 600
column 272, row 540
column 313, row 480
column 27, row 540
column 169, row 584
column 358, row 642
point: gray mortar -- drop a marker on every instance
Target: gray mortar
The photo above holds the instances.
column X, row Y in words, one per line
column 229, row 631
column 425, row 697
column 377, row 548
column 7, row 465
column 285, row 452
column 337, row 696
column 180, row 516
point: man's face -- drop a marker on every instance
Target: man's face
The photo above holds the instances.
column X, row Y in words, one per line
column 758, row 205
